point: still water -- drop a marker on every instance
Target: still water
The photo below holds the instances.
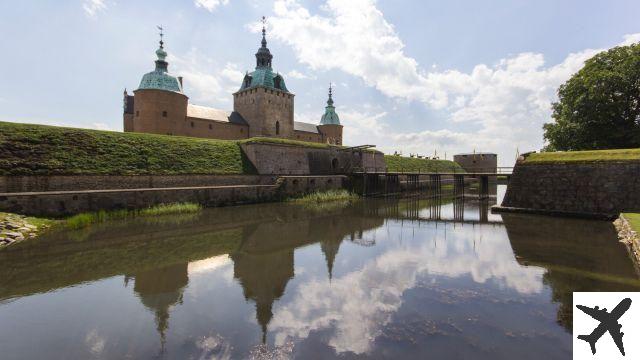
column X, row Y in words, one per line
column 384, row 278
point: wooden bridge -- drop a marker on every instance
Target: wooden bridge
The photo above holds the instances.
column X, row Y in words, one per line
column 389, row 182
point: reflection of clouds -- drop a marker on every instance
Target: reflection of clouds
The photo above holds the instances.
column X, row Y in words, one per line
column 208, row 265
column 358, row 304
column 95, row 343
column 214, row 348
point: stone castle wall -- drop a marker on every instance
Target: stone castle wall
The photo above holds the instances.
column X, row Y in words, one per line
column 14, row 184
column 262, row 108
column 600, row 189
column 477, row 162
column 284, row 159
column 62, row 203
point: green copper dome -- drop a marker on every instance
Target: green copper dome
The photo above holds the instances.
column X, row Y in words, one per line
column 159, row 79
column 330, row 117
column 263, row 74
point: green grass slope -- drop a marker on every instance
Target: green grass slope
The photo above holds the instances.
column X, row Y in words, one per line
column 406, row 164
column 584, row 156
column 27, row 149
column 634, row 221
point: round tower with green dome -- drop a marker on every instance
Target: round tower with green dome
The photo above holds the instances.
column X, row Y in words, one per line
column 330, row 127
column 159, row 104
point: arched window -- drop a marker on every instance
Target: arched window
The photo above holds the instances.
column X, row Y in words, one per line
column 277, row 127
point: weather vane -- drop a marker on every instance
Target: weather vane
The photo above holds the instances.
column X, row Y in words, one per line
column 161, row 34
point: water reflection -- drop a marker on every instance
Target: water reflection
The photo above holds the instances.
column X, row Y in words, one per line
column 393, row 278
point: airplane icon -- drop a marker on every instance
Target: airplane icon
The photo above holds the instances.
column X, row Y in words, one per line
column 608, row 322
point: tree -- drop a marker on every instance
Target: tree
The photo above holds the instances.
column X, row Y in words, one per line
column 599, row 106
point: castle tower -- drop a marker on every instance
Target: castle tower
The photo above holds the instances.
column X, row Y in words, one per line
column 330, row 127
column 159, row 105
column 263, row 99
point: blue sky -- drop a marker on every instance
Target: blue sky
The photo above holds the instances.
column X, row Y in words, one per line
column 413, row 76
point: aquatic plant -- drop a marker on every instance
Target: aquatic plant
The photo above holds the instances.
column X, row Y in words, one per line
column 326, row 196
column 85, row 219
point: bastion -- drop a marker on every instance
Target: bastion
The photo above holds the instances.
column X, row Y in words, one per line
column 591, row 184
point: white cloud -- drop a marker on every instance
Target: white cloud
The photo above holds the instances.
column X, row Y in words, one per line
column 295, row 74
column 205, row 80
column 503, row 105
column 360, row 303
column 93, row 7
column 101, row 126
column 210, row 5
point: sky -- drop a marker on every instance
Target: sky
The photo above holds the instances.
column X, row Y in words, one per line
column 414, row 76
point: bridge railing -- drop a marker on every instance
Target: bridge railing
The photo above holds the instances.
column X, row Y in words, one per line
column 500, row 170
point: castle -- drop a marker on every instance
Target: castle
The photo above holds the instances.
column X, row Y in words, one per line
column 263, row 106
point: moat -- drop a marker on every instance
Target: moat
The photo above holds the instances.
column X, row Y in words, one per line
column 380, row 278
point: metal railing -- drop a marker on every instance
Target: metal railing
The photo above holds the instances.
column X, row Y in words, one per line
column 500, row 170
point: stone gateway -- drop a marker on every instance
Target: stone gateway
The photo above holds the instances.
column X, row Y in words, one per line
column 263, row 106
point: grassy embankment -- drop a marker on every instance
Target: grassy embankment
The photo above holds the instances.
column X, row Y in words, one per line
column 584, row 156
column 407, row 164
column 634, row 221
column 48, row 150
column 26, row 226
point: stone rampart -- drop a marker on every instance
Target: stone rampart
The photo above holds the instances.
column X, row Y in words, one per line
column 285, row 159
column 594, row 189
column 11, row 184
column 61, row 203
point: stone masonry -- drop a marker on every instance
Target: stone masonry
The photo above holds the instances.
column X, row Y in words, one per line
column 602, row 189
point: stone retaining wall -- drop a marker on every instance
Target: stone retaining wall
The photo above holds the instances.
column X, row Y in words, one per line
column 285, row 159
column 62, row 203
column 11, row 184
column 596, row 189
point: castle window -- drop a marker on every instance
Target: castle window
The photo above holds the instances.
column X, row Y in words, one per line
column 241, row 130
column 277, row 127
column 192, row 125
column 164, row 114
column 210, row 127
column 137, row 113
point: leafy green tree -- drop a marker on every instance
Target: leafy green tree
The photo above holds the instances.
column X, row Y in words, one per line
column 599, row 106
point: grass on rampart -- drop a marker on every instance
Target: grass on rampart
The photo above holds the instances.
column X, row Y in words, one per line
column 407, row 164
column 49, row 150
column 85, row 219
column 280, row 141
column 584, row 156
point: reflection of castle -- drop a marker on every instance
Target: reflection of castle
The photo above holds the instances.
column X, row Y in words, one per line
column 159, row 290
column 263, row 264
column 263, row 106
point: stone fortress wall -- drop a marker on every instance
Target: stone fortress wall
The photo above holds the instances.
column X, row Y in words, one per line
column 593, row 189
column 299, row 160
column 477, row 162
column 62, row 203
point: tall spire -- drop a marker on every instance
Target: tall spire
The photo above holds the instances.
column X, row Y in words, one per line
column 330, row 117
column 263, row 56
column 264, row 32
